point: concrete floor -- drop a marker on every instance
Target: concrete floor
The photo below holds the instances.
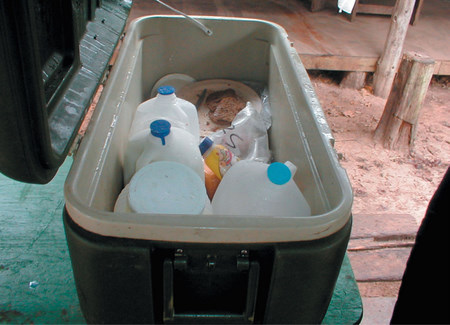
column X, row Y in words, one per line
column 377, row 310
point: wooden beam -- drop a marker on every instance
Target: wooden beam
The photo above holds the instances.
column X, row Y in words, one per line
column 374, row 9
column 355, row 63
column 442, row 68
column 398, row 124
column 388, row 64
column 416, row 13
column 338, row 62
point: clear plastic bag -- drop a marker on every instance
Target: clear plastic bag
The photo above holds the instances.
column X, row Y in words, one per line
column 247, row 136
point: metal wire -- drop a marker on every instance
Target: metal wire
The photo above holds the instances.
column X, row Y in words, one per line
column 193, row 20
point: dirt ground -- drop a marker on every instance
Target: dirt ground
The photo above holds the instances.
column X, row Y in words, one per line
column 387, row 181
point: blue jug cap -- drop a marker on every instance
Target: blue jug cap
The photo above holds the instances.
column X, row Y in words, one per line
column 166, row 90
column 205, row 145
column 160, row 129
column 278, row 173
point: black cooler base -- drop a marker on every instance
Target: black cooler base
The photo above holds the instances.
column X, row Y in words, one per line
column 136, row 281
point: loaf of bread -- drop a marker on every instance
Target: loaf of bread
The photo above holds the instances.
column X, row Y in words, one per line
column 224, row 105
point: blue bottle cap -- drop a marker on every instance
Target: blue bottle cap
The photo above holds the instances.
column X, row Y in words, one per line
column 160, row 129
column 166, row 90
column 205, row 145
column 278, row 173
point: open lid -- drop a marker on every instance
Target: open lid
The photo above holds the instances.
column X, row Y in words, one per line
column 53, row 56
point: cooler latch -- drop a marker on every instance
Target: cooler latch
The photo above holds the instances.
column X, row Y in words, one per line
column 180, row 260
column 216, row 287
column 242, row 261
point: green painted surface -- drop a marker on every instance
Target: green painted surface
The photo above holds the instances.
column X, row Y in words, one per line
column 36, row 281
column 346, row 305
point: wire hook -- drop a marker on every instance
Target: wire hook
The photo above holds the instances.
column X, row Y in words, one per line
column 193, row 20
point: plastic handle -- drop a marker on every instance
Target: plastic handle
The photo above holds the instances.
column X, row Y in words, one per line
column 170, row 286
column 291, row 167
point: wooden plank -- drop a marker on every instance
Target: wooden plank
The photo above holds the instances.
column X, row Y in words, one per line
column 380, row 264
column 366, row 244
column 352, row 63
column 374, row 9
column 384, row 226
column 442, row 68
column 338, row 63
column 388, row 289
column 390, row 3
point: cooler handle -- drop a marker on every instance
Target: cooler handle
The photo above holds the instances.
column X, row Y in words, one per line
column 196, row 22
column 170, row 316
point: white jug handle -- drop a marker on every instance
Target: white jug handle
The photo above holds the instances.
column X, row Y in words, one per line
column 291, row 167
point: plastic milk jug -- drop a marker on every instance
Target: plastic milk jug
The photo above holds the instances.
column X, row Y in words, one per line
column 133, row 150
column 255, row 188
column 166, row 105
column 164, row 187
column 168, row 143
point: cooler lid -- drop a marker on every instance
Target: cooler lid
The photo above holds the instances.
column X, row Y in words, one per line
column 53, row 56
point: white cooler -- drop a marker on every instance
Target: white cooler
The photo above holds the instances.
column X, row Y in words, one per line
column 144, row 268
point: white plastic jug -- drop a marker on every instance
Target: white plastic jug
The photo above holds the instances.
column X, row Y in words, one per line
column 166, row 105
column 122, row 204
column 162, row 142
column 133, row 150
column 255, row 188
column 164, row 187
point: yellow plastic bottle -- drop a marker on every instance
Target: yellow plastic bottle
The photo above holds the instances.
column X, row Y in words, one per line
column 218, row 158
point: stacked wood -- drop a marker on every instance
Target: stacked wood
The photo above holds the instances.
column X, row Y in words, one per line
column 398, row 124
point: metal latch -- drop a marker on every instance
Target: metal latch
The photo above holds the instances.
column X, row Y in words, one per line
column 180, row 260
column 242, row 261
